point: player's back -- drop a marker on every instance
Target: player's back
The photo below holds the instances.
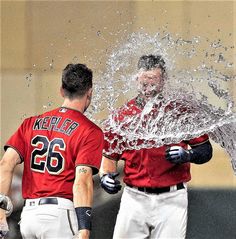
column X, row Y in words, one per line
column 52, row 143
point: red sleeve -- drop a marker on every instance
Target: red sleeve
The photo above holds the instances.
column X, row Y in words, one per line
column 17, row 141
column 199, row 140
column 112, row 142
column 90, row 151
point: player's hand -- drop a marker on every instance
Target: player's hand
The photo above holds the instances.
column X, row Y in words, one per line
column 3, row 228
column 109, row 183
column 177, row 155
column 82, row 234
column 6, row 204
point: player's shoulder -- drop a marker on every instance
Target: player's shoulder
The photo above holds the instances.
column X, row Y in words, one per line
column 90, row 129
column 29, row 120
column 129, row 104
column 119, row 114
column 32, row 118
column 90, row 125
column 129, row 108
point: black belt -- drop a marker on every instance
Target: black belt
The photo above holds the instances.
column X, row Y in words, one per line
column 43, row 201
column 157, row 190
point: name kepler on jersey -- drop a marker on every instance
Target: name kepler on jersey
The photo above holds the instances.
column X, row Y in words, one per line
column 54, row 123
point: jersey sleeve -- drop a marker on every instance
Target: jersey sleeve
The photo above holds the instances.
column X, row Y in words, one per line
column 199, row 140
column 17, row 141
column 90, row 151
column 112, row 142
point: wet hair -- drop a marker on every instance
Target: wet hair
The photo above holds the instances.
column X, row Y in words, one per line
column 76, row 80
column 150, row 62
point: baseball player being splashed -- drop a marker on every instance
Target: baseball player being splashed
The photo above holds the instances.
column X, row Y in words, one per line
column 61, row 150
column 154, row 201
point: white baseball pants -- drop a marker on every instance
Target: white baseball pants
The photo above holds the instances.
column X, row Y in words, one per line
column 144, row 215
column 48, row 221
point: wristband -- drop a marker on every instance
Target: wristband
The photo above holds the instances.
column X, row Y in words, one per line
column 84, row 217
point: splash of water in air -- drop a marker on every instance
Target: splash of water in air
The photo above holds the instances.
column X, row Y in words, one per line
column 197, row 97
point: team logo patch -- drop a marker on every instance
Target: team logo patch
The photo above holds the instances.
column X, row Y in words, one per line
column 88, row 212
column 63, row 110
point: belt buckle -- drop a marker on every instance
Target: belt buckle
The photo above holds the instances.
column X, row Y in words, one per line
column 173, row 188
column 32, row 203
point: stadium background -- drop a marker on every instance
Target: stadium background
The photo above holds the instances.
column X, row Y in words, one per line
column 38, row 38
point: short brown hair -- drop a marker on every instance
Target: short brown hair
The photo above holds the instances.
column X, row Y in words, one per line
column 76, row 80
column 149, row 62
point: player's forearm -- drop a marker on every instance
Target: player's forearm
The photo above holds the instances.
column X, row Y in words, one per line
column 6, row 173
column 5, row 180
column 108, row 166
column 7, row 164
column 5, row 184
column 83, row 197
column 83, row 194
column 83, row 187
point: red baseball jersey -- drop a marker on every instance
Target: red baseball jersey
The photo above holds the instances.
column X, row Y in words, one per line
column 148, row 167
column 51, row 145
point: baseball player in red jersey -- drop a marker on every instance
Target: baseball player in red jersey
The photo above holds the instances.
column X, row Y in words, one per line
column 154, row 201
column 61, row 151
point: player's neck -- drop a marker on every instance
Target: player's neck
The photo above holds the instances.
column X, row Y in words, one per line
column 74, row 104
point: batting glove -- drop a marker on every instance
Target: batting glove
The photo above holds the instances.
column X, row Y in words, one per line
column 3, row 228
column 109, row 183
column 178, row 155
column 6, row 204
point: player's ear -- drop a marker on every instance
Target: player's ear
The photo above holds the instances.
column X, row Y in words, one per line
column 62, row 92
column 90, row 92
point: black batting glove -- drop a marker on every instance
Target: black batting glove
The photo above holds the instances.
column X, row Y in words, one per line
column 109, row 183
column 178, row 155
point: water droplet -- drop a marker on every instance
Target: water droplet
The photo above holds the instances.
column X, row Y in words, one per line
column 75, row 60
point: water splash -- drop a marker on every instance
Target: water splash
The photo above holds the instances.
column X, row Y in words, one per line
column 196, row 99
